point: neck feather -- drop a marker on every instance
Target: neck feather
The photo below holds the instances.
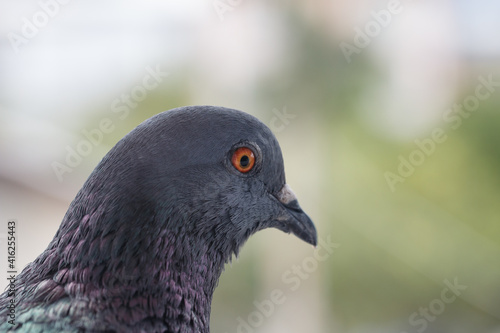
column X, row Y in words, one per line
column 131, row 274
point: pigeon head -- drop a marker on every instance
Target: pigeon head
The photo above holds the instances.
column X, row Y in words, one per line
column 213, row 173
column 143, row 244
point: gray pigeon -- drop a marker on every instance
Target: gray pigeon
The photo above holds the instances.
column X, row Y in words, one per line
column 143, row 244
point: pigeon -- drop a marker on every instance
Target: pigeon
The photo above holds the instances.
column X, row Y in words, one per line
column 143, row 243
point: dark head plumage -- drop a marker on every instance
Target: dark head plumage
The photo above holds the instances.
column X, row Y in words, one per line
column 145, row 240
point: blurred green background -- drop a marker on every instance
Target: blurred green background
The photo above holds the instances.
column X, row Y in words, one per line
column 354, row 91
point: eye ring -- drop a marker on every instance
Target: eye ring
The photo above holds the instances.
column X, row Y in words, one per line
column 243, row 159
column 257, row 163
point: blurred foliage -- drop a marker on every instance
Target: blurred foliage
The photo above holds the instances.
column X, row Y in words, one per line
column 401, row 246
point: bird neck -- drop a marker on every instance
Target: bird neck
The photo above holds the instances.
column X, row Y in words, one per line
column 174, row 286
column 135, row 274
column 172, row 281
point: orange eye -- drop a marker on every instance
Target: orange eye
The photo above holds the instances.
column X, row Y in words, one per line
column 243, row 159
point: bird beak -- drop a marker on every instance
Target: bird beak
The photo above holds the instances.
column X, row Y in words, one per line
column 293, row 219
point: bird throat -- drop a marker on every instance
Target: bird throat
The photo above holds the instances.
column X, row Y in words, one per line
column 133, row 277
column 172, row 280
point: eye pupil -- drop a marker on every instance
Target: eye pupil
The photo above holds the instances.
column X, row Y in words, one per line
column 245, row 161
